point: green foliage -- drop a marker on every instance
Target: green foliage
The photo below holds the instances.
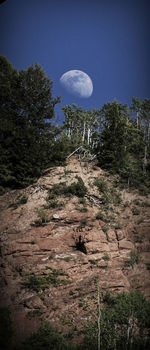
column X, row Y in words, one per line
column 135, row 211
column 124, row 323
column 83, row 209
column 121, row 140
column 118, row 225
column 106, row 257
column 43, row 217
column 26, row 107
column 109, row 194
column 5, row 328
column 133, row 259
column 105, row 228
column 55, row 204
column 101, row 184
column 83, row 222
column 82, row 201
column 46, row 338
column 76, row 189
column 20, row 200
column 148, row 266
column 29, row 142
column 57, row 190
column 81, row 126
column 100, row 216
column 39, row 283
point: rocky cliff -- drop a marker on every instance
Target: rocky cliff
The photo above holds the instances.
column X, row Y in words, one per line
column 54, row 248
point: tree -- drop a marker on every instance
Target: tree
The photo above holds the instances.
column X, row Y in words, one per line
column 113, row 145
column 124, row 323
column 121, row 139
column 26, row 132
column 81, row 125
column 142, row 109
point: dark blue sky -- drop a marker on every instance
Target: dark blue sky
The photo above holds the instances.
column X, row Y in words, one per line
column 107, row 39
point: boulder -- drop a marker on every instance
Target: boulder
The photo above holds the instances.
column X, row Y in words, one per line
column 96, row 236
column 111, row 235
column 113, row 246
column 33, row 302
column 123, row 244
column 97, row 247
column 120, row 234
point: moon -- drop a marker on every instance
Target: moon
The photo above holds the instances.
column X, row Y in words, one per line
column 77, row 83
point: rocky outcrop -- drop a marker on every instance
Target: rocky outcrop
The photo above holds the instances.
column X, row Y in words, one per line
column 47, row 267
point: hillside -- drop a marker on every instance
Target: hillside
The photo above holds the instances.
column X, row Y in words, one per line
column 70, row 242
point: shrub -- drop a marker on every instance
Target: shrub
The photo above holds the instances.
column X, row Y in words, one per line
column 133, row 259
column 105, row 228
column 55, row 204
column 106, row 257
column 145, row 204
column 43, row 217
column 118, row 225
column 76, row 189
column 83, row 209
column 46, row 338
column 148, row 266
column 115, row 197
column 140, row 220
column 41, row 282
column 135, row 211
column 82, row 201
column 83, row 222
column 100, row 216
column 20, row 200
column 57, row 190
column 101, row 185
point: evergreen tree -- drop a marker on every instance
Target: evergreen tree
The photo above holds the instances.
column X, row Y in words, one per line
column 27, row 107
column 142, row 109
column 113, row 142
column 121, row 140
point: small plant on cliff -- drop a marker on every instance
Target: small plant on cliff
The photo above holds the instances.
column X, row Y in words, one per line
column 102, row 185
column 55, row 204
column 43, row 217
column 133, row 259
column 39, row 283
column 76, row 189
column 19, row 201
column 106, row 256
column 100, row 216
column 135, row 211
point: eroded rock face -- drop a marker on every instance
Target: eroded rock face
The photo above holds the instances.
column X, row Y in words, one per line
column 36, row 252
column 124, row 244
column 120, row 234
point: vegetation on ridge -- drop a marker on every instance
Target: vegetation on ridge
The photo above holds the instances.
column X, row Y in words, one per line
column 124, row 325
column 118, row 135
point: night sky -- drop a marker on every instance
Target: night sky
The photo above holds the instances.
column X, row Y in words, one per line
column 107, row 39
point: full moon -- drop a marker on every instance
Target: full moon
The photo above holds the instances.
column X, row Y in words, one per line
column 77, row 83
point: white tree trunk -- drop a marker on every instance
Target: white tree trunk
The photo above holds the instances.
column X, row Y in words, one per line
column 83, row 136
column 69, row 133
column 88, row 136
